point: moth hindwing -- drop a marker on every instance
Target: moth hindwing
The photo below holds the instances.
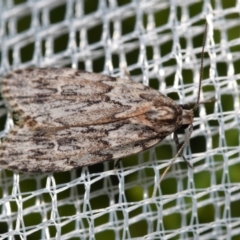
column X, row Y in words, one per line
column 71, row 118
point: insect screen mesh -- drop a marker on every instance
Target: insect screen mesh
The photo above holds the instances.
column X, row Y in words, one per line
column 159, row 43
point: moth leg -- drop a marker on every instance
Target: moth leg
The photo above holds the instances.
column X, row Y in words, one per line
column 127, row 73
column 175, row 138
column 116, row 165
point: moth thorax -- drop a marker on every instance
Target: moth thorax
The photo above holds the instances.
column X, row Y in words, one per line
column 187, row 117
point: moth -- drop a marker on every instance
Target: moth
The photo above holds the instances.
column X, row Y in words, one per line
column 71, row 118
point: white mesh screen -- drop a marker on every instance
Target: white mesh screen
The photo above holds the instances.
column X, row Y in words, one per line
column 160, row 43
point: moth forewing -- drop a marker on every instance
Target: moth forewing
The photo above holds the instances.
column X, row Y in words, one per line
column 64, row 124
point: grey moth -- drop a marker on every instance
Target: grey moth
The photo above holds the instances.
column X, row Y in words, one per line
column 71, row 118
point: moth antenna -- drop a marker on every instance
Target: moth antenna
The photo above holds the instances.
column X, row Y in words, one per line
column 193, row 109
column 201, row 68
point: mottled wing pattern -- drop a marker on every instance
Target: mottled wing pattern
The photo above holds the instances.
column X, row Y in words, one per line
column 68, row 97
column 48, row 150
column 71, row 118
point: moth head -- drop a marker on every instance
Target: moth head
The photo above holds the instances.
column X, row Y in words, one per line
column 187, row 118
